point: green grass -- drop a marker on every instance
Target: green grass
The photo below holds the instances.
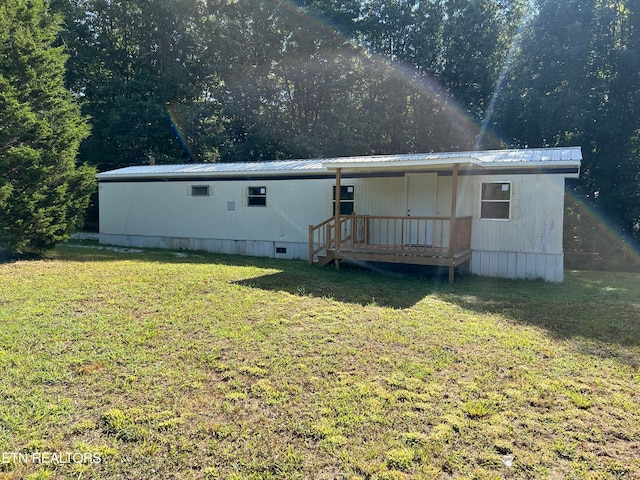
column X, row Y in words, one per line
column 206, row 366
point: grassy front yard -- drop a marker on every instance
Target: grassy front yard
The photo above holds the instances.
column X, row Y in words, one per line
column 163, row 365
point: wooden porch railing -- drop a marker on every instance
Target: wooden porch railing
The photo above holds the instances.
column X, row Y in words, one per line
column 321, row 238
column 440, row 236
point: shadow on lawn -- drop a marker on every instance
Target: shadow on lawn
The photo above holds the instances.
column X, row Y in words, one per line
column 602, row 307
column 351, row 284
column 599, row 306
column 392, row 287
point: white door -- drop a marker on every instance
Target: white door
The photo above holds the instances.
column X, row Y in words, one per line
column 421, row 202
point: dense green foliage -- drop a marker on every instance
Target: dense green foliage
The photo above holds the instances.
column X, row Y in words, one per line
column 576, row 80
column 210, row 80
column 43, row 194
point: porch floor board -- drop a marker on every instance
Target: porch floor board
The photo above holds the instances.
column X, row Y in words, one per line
column 436, row 257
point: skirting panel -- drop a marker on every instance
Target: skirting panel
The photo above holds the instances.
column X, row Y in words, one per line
column 549, row 267
column 256, row 248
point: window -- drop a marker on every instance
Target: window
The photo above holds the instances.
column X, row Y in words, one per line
column 495, row 201
column 347, row 203
column 257, row 197
column 200, row 191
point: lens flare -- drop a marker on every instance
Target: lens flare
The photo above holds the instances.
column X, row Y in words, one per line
column 175, row 126
column 604, row 229
column 468, row 133
column 506, row 66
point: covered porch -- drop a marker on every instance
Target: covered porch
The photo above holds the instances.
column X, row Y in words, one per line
column 411, row 239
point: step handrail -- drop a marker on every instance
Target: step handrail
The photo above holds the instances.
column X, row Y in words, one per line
column 321, row 237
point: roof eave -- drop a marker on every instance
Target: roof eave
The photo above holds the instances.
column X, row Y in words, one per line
column 205, row 174
column 399, row 164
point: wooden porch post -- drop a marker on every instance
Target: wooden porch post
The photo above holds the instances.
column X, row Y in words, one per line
column 453, row 231
column 311, row 244
column 337, row 215
column 454, row 192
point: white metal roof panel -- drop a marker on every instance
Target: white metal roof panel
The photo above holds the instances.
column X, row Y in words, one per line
column 569, row 156
column 514, row 157
column 280, row 166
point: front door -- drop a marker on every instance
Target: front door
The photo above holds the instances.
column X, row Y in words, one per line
column 421, row 202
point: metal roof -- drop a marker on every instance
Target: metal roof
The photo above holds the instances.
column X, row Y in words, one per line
column 534, row 157
column 203, row 169
column 565, row 156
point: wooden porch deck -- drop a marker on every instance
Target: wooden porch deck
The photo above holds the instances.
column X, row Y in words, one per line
column 438, row 241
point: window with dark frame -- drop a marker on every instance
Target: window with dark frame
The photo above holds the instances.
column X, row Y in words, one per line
column 495, row 201
column 257, row 197
column 200, row 191
column 347, row 200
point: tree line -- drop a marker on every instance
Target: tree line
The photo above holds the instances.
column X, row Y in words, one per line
column 244, row 80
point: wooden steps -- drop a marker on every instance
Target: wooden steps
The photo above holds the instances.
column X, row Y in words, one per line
column 325, row 259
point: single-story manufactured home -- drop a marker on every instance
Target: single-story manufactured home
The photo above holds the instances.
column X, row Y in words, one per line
column 497, row 212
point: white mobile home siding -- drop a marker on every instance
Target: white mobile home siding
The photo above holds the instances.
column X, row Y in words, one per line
column 165, row 215
column 379, row 196
column 388, row 195
column 529, row 244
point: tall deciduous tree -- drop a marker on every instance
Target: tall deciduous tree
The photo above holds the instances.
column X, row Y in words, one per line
column 463, row 45
column 576, row 81
column 43, row 193
column 137, row 64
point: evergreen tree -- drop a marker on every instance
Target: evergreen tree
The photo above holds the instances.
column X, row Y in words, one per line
column 43, row 193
